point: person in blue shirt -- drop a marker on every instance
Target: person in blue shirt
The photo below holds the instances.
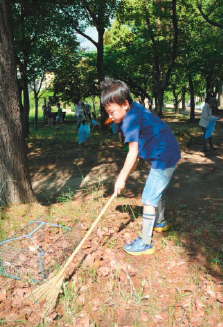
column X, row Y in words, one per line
column 149, row 138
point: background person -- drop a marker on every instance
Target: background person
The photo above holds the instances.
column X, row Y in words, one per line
column 59, row 116
column 87, row 110
column 50, row 114
column 206, row 118
column 95, row 124
column 79, row 114
column 45, row 113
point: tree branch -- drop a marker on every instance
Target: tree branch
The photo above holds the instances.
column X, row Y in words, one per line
column 211, row 22
column 90, row 14
column 86, row 36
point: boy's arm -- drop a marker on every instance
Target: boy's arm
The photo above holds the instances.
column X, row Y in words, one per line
column 127, row 168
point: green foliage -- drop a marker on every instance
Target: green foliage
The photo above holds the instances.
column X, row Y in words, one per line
column 199, row 49
column 212, row 12
column 65, row 196
column 138, row 46
column 35, row 39
column 40, row 38
column 76, row 76
column 126, row 58
column 142, row 42
column 141, row 38
column 46, row 93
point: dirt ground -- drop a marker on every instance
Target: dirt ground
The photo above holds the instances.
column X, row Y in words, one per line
column 180, row 285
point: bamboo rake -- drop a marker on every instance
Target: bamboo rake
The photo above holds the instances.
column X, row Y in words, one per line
column 50, row 290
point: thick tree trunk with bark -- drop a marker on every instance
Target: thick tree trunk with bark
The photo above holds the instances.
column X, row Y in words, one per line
column 15, row 185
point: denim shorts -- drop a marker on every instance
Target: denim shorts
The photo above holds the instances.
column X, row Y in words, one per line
column 156, row 184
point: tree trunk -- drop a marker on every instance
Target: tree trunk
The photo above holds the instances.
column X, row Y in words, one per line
column 192, row 102
column 25, row 113
column 209, row 85
column 15, row 185
column 100, row 70
column 100, row 55
column 176, row 101
column 159, row 108
column 93, row 104
column 175, row 96
column 183, row 97
column 156, row 101
column 162, row 77
column 36, row 110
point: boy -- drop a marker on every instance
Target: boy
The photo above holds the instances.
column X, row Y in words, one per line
column 151, row 139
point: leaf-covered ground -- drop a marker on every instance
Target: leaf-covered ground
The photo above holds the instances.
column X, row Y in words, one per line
column 181, row 284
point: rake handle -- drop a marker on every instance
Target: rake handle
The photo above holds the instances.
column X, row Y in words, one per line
column 87, row 234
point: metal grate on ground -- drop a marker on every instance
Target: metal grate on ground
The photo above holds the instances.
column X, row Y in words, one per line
column 37, row 250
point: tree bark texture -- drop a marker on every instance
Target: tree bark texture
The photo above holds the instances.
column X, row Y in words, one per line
column 15, row 185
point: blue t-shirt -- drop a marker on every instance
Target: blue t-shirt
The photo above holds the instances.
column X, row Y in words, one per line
column 156, row 142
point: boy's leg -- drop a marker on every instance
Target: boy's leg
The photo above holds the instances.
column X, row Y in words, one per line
column 148, row 220
column 143, row 245
column 154, row 195
column 155, row 186
column 160, row 209
column 160, row 222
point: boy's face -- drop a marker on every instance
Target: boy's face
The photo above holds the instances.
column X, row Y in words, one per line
column 117, row 112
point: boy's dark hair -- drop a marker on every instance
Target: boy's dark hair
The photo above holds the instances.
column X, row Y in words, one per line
column 114, row 92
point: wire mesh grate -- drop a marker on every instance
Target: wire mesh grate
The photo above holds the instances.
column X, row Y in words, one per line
column 36, row 250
